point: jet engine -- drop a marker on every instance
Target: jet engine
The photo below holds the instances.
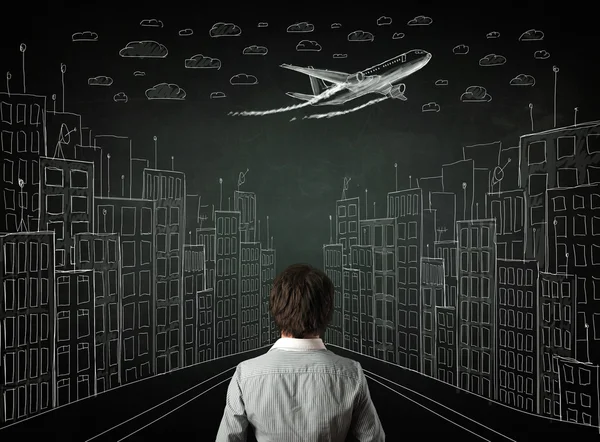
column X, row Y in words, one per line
column 356, row 78
column 398, row 91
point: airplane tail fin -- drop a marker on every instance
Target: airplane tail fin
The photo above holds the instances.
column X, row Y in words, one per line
column 299, row 96
column 317, row 84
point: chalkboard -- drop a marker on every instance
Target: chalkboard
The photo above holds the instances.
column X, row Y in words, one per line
column 160, row 166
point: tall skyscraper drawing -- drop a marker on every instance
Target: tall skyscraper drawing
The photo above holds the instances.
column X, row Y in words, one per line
column 22, row 140
column 381, row 234
column 267, row 269
column 134, row 221
column 332, row 258
column 193, row 285
column 205, row 323
column 27, row 321
column 101, row 253
column 361, row 259
column 227, row 282
column 446, row 343
column 518, row 334
column 432, row 296
column 477, row 368
column 249, row 303
column 405, row 207
column 351, row 285
column 557, row 313
column 168, row 189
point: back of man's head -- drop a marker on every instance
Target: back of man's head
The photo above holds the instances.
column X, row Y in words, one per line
column 301, row 301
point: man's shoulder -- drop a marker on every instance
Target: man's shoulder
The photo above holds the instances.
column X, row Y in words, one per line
column 283, row 360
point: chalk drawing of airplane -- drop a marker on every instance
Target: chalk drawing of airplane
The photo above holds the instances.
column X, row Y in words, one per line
column 383, row 78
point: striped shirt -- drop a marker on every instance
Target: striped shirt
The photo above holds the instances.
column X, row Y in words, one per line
column 300, row 391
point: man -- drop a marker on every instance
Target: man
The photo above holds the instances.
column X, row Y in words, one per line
column 299, row 391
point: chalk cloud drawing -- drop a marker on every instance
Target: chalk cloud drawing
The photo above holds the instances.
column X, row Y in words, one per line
column 165, row 91
column 398, row 35
column 144, row 49
column 492, row 34
column 151, row 23
column 308, row 46
column 441, row 82
column 384, row 21
column 430, row 107
column 139, row 74
column 301, row 27
column 216, row 95
column 100, row 80
column 121, row 97
column 492, row 60
column 531, row 35
column 85, row 36
column 336, row 25
column 460, row 49
column 242, row 79
column 523, row 80
column 255, row 50
column 187, row 32
column 200, row 61
column 420, row 20
column 475, row 94
column 541, row 54
column 340, row 55
column 263, row 24
column 221, row 29
column 360, row 35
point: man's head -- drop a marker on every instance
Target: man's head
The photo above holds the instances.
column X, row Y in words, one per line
column 301, row 301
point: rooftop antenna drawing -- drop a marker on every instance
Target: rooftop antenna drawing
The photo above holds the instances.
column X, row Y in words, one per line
column 555, row 69
column 531, row 115
column 63, row 69
column 498, row 174
column 8, row 77
column 242, row 178
column 64, row 137
column 23, row 48
column 155, row 138
column 345, row 188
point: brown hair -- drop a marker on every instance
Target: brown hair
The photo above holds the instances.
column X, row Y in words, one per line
column 301, row 301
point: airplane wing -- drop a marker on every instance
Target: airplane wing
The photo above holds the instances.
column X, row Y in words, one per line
column 330, row 76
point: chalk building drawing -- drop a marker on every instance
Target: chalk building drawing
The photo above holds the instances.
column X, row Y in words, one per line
column 250, row 295
column 496, row 262
column 193, row 286
column 101, row 285
column 268, row 331
column 28, row 319
column 22, row 124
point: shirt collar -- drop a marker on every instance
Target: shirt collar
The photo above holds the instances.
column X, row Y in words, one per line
column 297, row 344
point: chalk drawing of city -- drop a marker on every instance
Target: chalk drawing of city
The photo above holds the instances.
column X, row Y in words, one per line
column 115, row 269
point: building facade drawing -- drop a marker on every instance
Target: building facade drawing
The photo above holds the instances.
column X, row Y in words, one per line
column 27, row 322
column 168, row 189
column 249, row 302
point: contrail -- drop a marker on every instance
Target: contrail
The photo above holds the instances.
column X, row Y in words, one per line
column 329, row 92
column 344, row 112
